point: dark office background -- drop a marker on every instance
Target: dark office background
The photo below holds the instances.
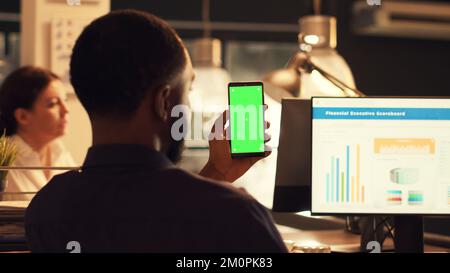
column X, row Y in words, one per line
column 380, row 65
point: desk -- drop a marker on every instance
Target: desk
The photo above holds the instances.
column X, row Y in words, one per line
column 12, row 230
column 339, row 240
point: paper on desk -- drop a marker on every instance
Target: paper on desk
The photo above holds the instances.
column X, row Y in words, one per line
column 11, row 205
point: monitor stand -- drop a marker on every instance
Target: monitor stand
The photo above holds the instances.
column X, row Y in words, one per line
column 408, row 236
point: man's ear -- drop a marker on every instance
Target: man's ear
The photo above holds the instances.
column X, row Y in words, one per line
column 161, row 102
column 22, row 116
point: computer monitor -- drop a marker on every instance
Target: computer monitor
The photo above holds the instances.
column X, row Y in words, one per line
column 293, row 174
column 381, row 156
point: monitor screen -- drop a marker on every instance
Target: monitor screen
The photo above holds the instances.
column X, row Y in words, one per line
column 380, row 156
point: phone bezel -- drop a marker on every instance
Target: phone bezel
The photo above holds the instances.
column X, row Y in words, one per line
column 253, row 83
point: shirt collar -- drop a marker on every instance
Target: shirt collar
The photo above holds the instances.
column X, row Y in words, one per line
column 25, row 151
column 120, row 155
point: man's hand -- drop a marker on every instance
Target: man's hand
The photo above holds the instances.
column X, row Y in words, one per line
column 220, row 165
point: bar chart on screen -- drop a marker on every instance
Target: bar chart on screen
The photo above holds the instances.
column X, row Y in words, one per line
column 343, row 179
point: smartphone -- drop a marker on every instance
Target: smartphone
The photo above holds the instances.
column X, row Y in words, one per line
column 246, row 120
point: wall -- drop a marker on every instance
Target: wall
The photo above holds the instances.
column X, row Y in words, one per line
column 38, row 48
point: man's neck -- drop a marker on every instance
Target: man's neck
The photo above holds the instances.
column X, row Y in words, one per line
column 123, row 133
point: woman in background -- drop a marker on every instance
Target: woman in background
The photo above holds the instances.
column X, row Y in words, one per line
column 34, row 115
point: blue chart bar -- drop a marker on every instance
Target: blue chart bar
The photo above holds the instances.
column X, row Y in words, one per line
column 332, row 178
column 348, row 173
column 328, row 187
column 337, row 179
column 449, row 195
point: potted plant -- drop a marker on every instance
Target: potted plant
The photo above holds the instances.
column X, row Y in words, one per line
column 7, row 156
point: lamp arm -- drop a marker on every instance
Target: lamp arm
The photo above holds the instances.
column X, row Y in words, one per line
column 309, row 66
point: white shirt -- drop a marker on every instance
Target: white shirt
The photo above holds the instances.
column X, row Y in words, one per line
column 33, row 180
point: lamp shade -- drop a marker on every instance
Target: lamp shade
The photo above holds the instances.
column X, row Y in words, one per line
column 208, row 97
column 302, row 78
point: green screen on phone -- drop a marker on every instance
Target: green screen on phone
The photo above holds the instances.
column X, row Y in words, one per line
column 246, row 119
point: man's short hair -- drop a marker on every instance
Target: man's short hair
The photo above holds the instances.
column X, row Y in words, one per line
column 120, row 57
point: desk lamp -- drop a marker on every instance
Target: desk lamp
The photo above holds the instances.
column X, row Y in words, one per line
column 316, row 69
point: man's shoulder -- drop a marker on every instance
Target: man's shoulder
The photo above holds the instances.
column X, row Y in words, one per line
column 180, row 184
column 209, row 188
column 213, row 197
column 176, row 199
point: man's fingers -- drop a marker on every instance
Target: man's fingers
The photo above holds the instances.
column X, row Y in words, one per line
column 267, row 153
column 225, row 117
column 220, row 122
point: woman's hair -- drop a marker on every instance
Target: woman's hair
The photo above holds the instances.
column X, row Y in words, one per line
column 20, row 90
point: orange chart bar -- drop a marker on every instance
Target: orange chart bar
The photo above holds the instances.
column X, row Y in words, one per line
column 362, row 194
column 353, row 189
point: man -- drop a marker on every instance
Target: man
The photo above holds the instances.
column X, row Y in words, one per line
column 129, row 70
